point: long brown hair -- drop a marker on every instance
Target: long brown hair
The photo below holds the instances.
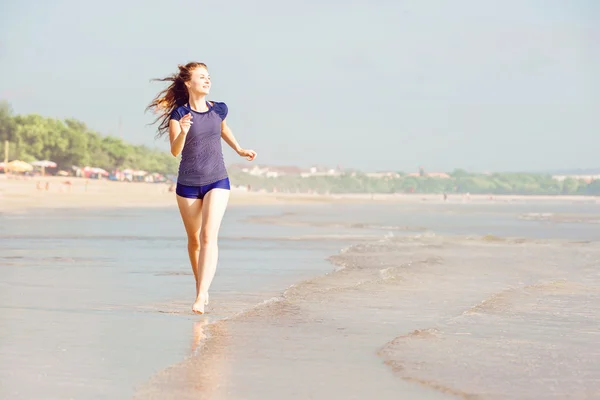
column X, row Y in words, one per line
column 175, row 95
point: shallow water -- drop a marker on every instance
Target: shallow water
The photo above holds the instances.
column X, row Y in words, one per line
column 524, row 219
column 429, row 301
column 93, row 303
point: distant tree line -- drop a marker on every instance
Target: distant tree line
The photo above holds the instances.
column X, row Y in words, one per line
column 70, row 143
column 460, row 181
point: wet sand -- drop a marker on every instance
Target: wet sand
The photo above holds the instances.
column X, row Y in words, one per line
column 93, row 303
column 411, row 308
column 423, row 317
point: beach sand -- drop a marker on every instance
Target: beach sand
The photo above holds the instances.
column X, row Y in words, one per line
column 21, row 194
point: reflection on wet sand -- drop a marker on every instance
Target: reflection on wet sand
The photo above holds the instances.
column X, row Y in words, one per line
column 202, row 375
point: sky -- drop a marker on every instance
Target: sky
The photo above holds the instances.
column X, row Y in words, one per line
column 485, row 85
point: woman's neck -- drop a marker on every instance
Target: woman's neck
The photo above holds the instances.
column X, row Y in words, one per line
column 198, row 102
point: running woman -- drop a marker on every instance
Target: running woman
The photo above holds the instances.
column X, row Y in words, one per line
column 196, row 126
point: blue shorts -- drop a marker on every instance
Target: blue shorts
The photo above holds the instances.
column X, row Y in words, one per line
column 198, row 192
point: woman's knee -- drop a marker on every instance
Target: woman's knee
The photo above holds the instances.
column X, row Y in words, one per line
column 207, row 237
column 194, row 242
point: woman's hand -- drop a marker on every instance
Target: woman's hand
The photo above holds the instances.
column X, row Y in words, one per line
column 227, row 135
column 185, row 123
column 249, row 154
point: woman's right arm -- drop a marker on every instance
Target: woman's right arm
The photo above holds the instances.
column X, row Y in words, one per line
column 177, row 133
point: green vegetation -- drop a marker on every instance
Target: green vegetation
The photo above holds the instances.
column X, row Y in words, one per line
column 69, row 142
column 459, row 182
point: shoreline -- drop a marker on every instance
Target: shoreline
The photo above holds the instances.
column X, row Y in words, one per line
column 227, row 338
column 338, row 305
column 377, row 315
column 22, row 195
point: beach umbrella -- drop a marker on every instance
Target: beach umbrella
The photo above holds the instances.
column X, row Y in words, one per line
column 44, row 164
column 19, row 166
column 99, row 171
column 95, row 170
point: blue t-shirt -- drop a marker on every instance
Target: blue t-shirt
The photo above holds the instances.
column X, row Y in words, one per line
column 202, row 155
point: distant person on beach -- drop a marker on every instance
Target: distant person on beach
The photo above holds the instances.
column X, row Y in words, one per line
column 195, row 127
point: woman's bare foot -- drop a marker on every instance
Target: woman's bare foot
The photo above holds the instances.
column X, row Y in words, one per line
column 201, row 301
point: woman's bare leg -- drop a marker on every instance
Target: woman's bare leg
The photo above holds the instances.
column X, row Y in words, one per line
column 213, row 209
column 191, row 214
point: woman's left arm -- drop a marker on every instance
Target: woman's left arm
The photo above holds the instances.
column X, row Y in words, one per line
column 227, row 135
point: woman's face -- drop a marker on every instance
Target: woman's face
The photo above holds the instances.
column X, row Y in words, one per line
column 200, row 81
